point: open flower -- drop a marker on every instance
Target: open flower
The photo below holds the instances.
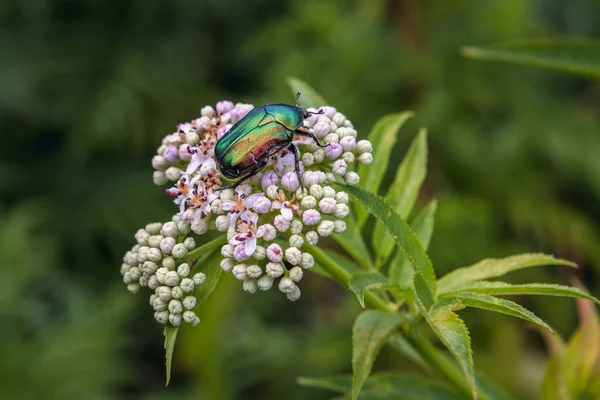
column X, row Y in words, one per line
column 240, row 206
column 246, row 234
column 287, row 208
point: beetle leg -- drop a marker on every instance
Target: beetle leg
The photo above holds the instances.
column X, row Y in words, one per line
column 310, row 135
column 297, row 157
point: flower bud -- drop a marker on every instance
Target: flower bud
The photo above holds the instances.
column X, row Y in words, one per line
column 265, row 282
column 325, row 228
column 339, row 167
column 162, row 316
column 191, row 318
column 307, row 261
column 296, row 241
column 333, row 150
column 166, row 245
column 183, row 227
column 365, row 158
column 183, row 270
column 296, row 274
column 226, row 194
column 161, row 275
column 172, row 278
column 253, row 271
column 153, row 282
column 338, row 119
column 269, row 178
column 260, row 253
column 319, row 155
column 286, row 285
column 187, row 285
column 175, row 307
column 149, row 267
column 262, row 205
column 227, row 251
column 200, row 226
column 348, row 156
column 307, row 159
column 198, row 278
column 135, row 273
column 224, row 106
column 310, row 178
column 171, row 155
column 348, row 143
column 215, row 207
column 154, row 255
column 169, row 263
column 352, row 178
column 185, row 152
column 179, row 250
column 159, row 163
column 339, row 226
column 158, row 304
column 272, row 192
column 363, row 146
column 142, row 236
column 173, row 173
column 267, row 232
column 189, row 302
column 312, row 237
column 177, row 292
column 308, row 202
column 239, row 271
column 274, row 253
column 250, row 286
column 327, row 205
column 341, row 210
column 289, row 181
column 294, row 294
column 311, row 217
column 296, row 227
column 293, row 255
column 175, row 319
column 133, row 287
column 222, row 223
column 189, row 243
column 154, row 228
column 281, row 223
column 207, row 111
column 169, row 229
column 321, row 129
column 159, row 178
column 164, row 293
column 331, row 138
column 274, row 270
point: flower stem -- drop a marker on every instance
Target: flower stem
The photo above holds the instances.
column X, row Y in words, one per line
column 206, row 247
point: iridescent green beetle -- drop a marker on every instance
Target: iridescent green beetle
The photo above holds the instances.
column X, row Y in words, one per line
column 245, row 149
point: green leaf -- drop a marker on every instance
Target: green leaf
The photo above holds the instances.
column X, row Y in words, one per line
column 403, row 193
column 453, row 333
column 491, row 303
column 309, row 96
column 401, row 270
column 404, row 236
column 351, row 240
column 582, row 354
column 212, row 269
column 206, row 248
column 502, row 288
column 170, row 334
column 370, row 332
column 554, row 386
column 579, row 56
column 382, row 137
column 494, row 267
column 335, row 383
column 362, row 281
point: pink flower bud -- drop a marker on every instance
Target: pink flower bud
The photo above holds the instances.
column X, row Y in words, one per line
column 171, row 154
column 239, row 252
column 274, row 253
column 328, row 111
column 238, row 113
column 185, row 152
column 223, row 130
column 310, row 178
column 262, row 205
column 333, row 150
column 327, row 205
column 270, row 178
column 289, row 181
column 224, row 106
column 348, row 143
column 321, row 129
column 311, row 217
column 281, row 223
column 339, row 167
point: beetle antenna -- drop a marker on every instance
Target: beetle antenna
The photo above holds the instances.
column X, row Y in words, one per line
column 297, row 97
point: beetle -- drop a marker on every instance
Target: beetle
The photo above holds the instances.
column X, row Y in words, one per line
column 245, row 149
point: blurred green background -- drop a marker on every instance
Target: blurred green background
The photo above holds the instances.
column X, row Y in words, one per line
column 89, row 88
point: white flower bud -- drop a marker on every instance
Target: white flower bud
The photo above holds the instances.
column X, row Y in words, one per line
column 296, row 274
column 281, row 223
column 265, row 282
column 311, row 217
column 172, row 278
column 162, row 316
column 312, row 237
column 339, row 226
column 231, row 233
column 308, row 202
column 363, row 146
column 253, row 271
column 294, row 294
column 274, row 270
column 135, row 273
column 338, row 119
column 189, row 302
column 227, row 251
column 296, row 241
column 341, row 197
column 341, row 210
column 319, row 155
column 267, row 232
column 327, row 205
column 348, row 156
column 192, row 138
column 183, row 227
column 161, row 274
column 131, row 258
column 169, row 229
column 207, row 111
column 187, row 285
column 143, row 282
column 159, row 304
column 153, row 282
column 175, row 319
column 149, row 267
column 262, row 205
column 325, row 228
column 158, row 162
column 260, row 253
column 308, row 159
column 331, row 138
column 307, row 261
column 191, row 318
column 272, row 192
column 177, row 292
column 222, row 223
column 133, row 287
column 183, row 270
column 240, row 272
column 321, row 129
column 316, row 191
column 352, row 178
column 322, row 177
column 226, row 194
column 172, row 173
column 166, row 245
column 169, row 263
column 164, row 293
column 365, row 158
column 215, row 207
column 200, row 226
column 143, row 253
column 154, row 228
column 296, row 227
column 227, row 264
column 179, row 250
column 250, row 286
column 286, row 285
column 293, row 255
column 159, row 178
column 339, row 167
column 310, row 178
column 189, row 243
column 333, row 126
column 198, row 278
column 154, row 255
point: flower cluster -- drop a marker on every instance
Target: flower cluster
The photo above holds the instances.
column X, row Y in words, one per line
column 270, row 220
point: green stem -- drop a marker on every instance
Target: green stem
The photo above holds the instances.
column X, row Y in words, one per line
column 206, row 247
column 342, row 276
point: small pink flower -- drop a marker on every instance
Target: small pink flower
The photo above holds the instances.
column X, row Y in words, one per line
column 274, row 253
column 311, row 217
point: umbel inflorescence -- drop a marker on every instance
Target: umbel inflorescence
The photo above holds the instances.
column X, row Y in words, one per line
column 267, row 220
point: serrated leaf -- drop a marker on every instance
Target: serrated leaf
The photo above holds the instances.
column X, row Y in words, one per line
column 382, row 137
column 453, row 333
column 403, row 193
column 405, row 238
column 170, row 334
column 351, row 240
column 496, row 304
column 363, row 281
column 495, row 267
column 507, row 289
column 580, row 56
column 370, row 332
column 309, row 96
column 401, row 270
column 335, row 383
